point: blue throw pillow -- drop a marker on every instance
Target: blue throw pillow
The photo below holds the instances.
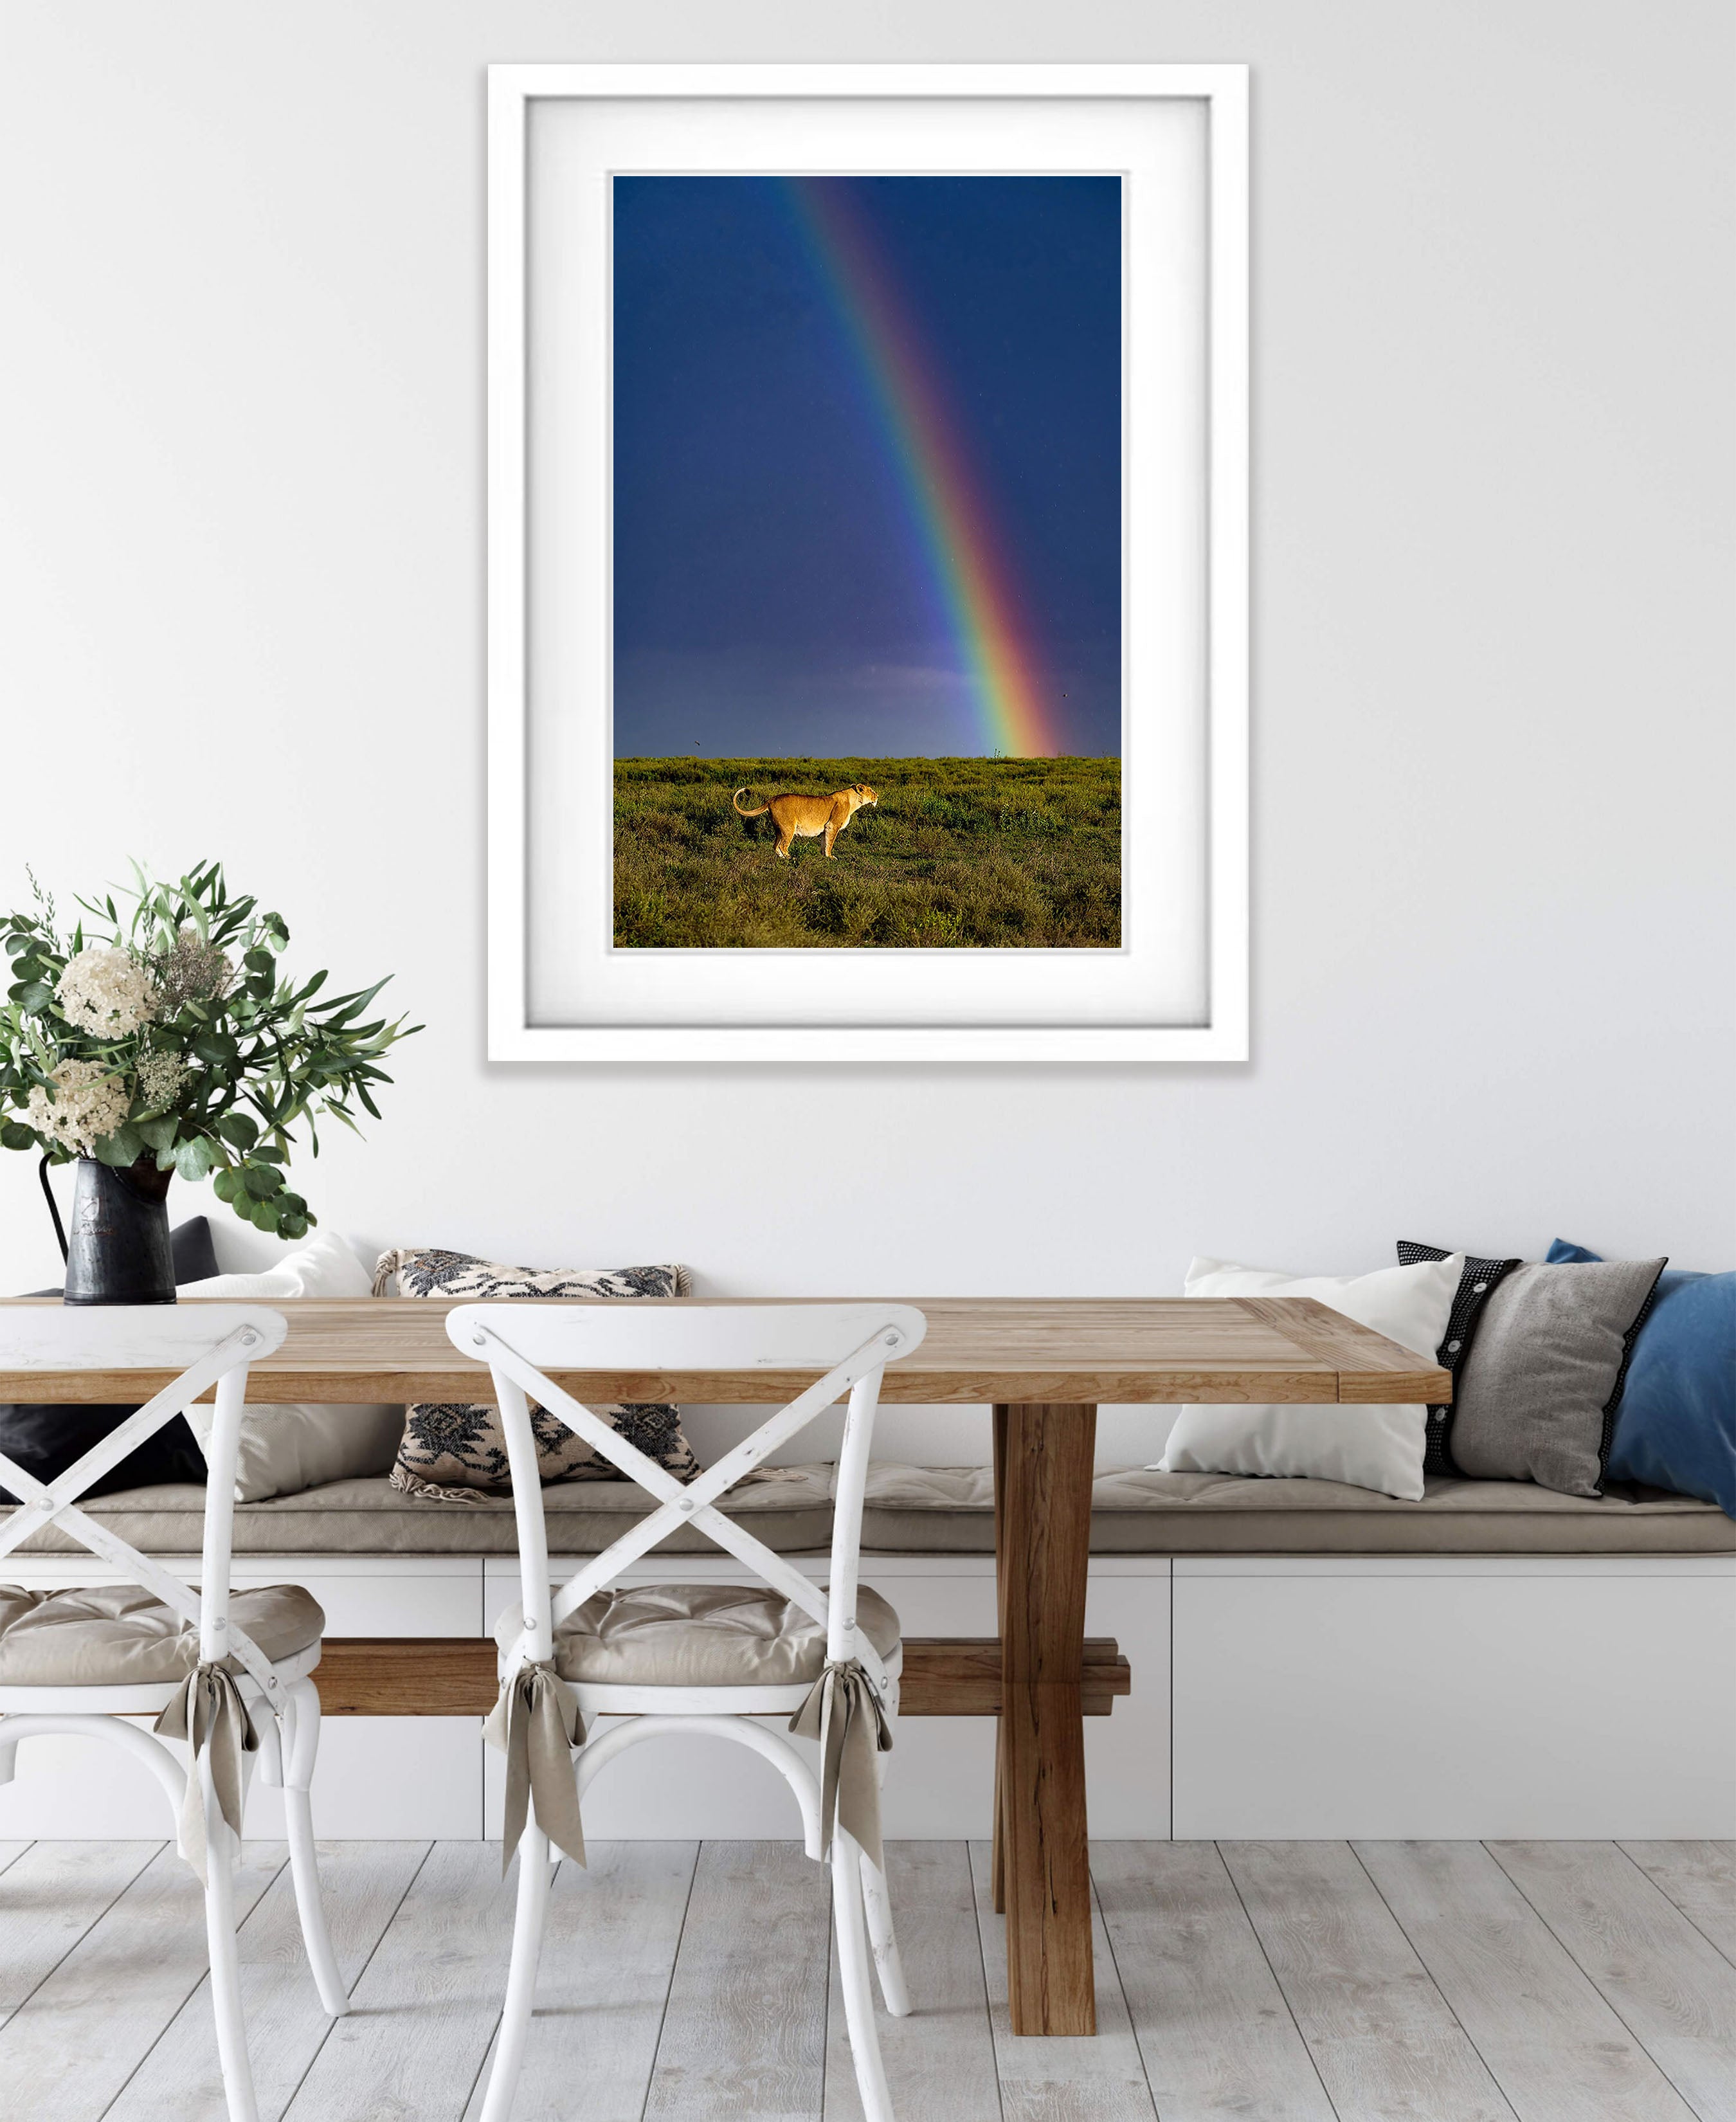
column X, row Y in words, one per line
column 1677, row 1425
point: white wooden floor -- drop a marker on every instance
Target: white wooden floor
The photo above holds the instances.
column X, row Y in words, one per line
column 1279, row 1981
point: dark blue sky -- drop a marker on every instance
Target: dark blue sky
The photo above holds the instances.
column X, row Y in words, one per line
column 772, row 596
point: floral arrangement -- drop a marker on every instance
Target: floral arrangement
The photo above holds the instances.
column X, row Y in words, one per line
column 171, row 1036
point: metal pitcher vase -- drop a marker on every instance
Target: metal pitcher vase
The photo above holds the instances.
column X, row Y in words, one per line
column 118, row 1247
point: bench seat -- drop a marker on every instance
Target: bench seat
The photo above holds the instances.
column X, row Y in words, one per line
column 949, row 1510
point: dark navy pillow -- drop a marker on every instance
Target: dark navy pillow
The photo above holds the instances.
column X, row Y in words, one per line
column 1677, row 1425
column 45, row 1437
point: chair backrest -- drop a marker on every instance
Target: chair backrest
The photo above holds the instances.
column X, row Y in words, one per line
column 206, row 1345
column 642, row 1351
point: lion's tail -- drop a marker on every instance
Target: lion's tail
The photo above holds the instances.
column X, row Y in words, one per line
column 736, row 800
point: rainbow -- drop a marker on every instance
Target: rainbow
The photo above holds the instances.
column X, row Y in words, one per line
column 964, row 553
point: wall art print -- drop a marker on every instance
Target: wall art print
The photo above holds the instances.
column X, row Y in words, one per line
column 867, row 563
column 867, row 508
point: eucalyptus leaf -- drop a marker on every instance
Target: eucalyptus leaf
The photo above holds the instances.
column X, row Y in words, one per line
column 261, row 1180
column 158, row 1133
column 124, row 1147
column 194, row 1157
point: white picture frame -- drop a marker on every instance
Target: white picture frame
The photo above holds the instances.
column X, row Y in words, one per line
column 1213, row 1027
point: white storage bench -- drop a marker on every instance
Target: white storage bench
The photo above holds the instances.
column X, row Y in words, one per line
column 1308, row 1659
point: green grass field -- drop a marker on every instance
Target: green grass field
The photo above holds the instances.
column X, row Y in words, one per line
column 960, row 853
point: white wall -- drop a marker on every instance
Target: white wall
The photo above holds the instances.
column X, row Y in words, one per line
column 240, row 557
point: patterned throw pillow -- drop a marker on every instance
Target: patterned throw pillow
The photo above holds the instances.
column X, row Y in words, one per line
column 456, row 1453
column 1476, row 1286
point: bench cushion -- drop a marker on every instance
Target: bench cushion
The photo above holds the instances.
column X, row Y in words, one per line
column 369, row 1517
column 949, row 1510
column 699, row 1635
column 121, row 1635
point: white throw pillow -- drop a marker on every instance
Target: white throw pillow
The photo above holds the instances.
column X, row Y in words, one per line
column 1370, row 1447
column 285, row 1450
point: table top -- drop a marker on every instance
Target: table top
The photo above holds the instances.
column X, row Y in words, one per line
column 1063, row 1351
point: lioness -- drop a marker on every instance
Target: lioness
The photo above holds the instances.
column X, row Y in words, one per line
column 809, row 817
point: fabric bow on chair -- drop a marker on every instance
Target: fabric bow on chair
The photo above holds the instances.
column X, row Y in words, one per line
column 209, row 1713
column 845, row 1714
column 536, row 1724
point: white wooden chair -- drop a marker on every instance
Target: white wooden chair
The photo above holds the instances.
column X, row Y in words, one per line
column 228, row 1671
column 689, row 1657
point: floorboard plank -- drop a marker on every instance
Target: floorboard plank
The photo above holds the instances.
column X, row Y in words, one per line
column 108, row 2000
column 11, row 1851
column 745, row 2031
column 609, row 1954
column 1674, row 1991
column 179, row 2080
column 940, row 2059
column 1699, row 1878
column 50, row 1897
column 1212, row 2024
column 424, row 2011
column 1555, row 2047
column 1057, row 2078
column 1384, row 2039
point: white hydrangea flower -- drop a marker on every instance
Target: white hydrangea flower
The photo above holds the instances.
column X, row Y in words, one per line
column 106, row 991
column 89, row 1103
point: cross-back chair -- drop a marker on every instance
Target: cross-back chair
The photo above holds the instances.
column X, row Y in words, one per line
column 227, row 1671
column 684, row 1656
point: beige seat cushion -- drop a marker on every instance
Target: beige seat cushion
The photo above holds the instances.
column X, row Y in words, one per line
column 120, row 1635
column 699, row 1635
column 949, row 1510
column 365, row 1515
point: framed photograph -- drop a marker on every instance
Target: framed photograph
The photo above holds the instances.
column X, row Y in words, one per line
column 868, row 563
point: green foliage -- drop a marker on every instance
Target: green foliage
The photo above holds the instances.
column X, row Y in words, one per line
column 958, row 853
column 230, row 1059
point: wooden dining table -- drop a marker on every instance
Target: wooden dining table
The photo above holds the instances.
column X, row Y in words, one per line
column 1044, row 1365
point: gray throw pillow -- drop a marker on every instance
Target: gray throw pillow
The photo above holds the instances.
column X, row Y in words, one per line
column 1536, row 1398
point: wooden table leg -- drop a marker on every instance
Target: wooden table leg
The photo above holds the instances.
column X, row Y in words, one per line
column 1043, row 1537
column 997, row 1853
column 997, row 1858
